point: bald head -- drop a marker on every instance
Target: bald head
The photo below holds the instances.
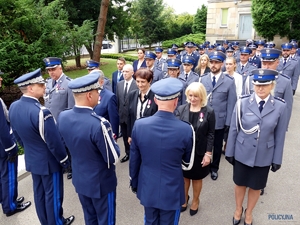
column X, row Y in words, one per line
column 128, row 72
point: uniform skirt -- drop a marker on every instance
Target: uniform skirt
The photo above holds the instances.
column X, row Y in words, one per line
column 197, row 172
column 252, row 177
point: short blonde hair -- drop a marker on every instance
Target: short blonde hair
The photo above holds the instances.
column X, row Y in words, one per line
column 197, row 89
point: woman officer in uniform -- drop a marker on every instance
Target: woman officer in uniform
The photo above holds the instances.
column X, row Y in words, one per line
column 255, row 142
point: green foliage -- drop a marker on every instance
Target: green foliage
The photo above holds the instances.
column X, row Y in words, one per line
column 152, row 22
column 116, row 56
column 276, row 17
column 196, row 38
column 199, row 24
column 29, row 32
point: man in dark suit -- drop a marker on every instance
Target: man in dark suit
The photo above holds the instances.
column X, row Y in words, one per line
column 117, row 76
column 46, row 157
column 123, row 88
column 159, row 145
column 94, row 152
column 107, row 105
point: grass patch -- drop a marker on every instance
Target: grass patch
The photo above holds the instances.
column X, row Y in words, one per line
column 108, row 66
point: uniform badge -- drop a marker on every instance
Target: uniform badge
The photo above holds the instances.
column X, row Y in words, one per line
column 149, row 103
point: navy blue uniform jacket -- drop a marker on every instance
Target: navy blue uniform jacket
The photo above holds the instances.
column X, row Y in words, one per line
column 159, row 144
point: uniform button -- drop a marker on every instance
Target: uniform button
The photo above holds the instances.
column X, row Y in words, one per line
column 254, row 145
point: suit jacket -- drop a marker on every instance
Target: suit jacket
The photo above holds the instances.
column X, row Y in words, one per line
column 59, row 97
column 132, row 108
column 251, row 149
column 256, row 61
column 42, row 157
column 135, row 64
column 204, row 131
column 84, row 138
column 222, row 97
column 159, row 144
column 108, row 108
column 198, row 71
column 123, row 102
column 193, row 77
column 291, row 69
column 114, row 79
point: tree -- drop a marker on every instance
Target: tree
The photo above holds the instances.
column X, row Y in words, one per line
column 199, row 23
column 151, row 21
column 30, row 32
column 276, row 17
column 100, row 30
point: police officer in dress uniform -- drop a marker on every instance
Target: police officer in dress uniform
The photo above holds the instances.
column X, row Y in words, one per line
column 288, row 66
column 175, row 47
column 92, row 65
column 9, row 166
column 187, row 76
column 189, row 52
column 256, row 141
column 221, row 96
column 58, row 96
column 254, row 59
column 107, row 106
column 94, row 176
column 201, row 50
column 260, row 45
column 156, row 155
column 244, row 67
column 160, row 62
column 173, row 68
column 35, row 129
column 236, row 53
column 150, row 62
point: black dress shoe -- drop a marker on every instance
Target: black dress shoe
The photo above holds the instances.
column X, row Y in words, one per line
column 262, row 191
column 21, row 207
column 20, row 200
column 125, row 158
column 69, row 220
column 236, row 222
column 214, row 175
column 69, row 175
column 193, row 212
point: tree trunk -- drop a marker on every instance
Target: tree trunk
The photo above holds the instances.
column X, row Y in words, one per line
column 100, row 29
column 90, row 50
column 77, row 59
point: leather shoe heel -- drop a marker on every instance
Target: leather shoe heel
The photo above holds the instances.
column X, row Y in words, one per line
column 125, row 158
column 193, row 212
column 69, row 220
column 245, row 219
column 21, row 207
column 20, row 200
column 183, row 208
column 236, row 222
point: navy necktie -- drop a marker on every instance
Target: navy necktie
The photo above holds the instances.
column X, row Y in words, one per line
column 214, row 81
column 242, row 67
column 186, row 77
column 284, row 62
column 126, row 90
column 53, row 83
column 261, row 104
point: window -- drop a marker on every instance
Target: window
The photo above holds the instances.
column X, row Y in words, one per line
column 224, row 17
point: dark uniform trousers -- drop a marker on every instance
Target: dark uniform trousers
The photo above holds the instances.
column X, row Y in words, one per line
column 125, row 137
column 48, row 197
column 95, row 208
column 155, row 216
column 218, row 144
column 8, row 185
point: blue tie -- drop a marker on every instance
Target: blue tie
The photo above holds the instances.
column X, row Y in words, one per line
column 261, row 104
column 214, row 81
column 284, row 62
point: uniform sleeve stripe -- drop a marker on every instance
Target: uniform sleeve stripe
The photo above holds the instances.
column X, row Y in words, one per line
column 10, row 148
